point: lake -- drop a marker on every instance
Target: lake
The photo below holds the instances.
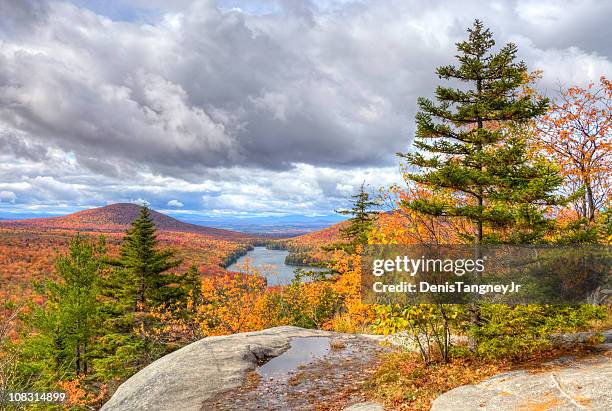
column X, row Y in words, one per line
column 268, row 263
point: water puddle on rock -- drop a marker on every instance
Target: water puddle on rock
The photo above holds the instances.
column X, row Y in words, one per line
column 303, row 350
column 315, row 373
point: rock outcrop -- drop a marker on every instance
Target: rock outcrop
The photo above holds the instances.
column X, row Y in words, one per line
column 564, row 384
column 187, row 377
column 184, row 379
column 212, row 372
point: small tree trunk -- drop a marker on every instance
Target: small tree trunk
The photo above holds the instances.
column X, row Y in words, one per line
column 446, row 340
column 78, row 359
column 474, row 311
column 478, row 238
column 590, row 200
column 142, row 291
column 85, row 357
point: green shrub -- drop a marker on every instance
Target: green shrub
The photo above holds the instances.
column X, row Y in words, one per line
column 515, row 331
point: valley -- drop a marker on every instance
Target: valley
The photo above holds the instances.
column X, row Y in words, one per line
column 30, row 247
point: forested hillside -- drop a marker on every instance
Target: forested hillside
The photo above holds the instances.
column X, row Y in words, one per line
column 31, row 246
column 116, row 217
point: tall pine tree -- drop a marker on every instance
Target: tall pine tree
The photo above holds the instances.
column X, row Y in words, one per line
column 144, row 280
column 139, row 282
column 465, row 143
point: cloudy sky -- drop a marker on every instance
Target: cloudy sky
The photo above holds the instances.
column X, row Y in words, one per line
column 234, row 108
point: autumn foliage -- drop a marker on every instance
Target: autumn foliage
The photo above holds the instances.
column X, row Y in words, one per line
column 194, row 296
column 577, row 134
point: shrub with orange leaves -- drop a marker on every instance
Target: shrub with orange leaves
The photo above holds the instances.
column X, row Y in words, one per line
column 355, row 315
column 227, row 304
column 78, row 396
column 308, row 305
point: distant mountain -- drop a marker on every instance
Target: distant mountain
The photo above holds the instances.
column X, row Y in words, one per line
column 328, row 235
column 317, row 239
column 268, row 226
column 117, row 217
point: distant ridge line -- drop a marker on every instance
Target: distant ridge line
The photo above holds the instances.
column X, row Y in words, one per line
column 116, row 217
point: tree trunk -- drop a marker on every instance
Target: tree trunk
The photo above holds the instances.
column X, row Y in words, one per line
column 478, row 238
column 78, row 359
column 589, row 200
column 85, row 357
column 141, row 295
column 474, row 309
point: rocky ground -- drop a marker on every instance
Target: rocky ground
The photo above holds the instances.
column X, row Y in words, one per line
column 564, row 384
column 332, row 382
column 237, row 372
column 217, row 372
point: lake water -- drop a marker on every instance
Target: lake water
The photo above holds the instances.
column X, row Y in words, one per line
column 268, row 263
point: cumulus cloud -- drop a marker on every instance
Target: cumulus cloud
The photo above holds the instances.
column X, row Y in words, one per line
column 175, row 203
column 24, row 15
column 7, row 197
column 245, row 105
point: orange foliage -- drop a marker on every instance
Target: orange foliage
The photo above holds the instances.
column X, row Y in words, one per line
column 317, row 239
column 357, row 315
column 311, row 245
column 227, row 304
column 232, row 304
column 77, row 396
column 576, row 134
column 405, row 226
column 28, row 253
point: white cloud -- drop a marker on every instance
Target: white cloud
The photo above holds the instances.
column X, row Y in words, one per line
column 260, row 107
column 7, row 197
column 344, row 189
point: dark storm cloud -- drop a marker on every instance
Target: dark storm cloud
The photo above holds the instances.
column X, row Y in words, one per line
column 242, row 94
column 14, row 144
column 207, row 88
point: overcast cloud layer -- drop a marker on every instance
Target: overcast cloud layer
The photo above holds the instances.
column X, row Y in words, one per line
column 237, row 107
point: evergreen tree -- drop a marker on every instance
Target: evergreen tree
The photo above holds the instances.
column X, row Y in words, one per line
column 69, row 322
column 75, row 296
column 144, row 282
column 361, row 222
column 139, row 282
column 468, row 143
column 465, row 143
